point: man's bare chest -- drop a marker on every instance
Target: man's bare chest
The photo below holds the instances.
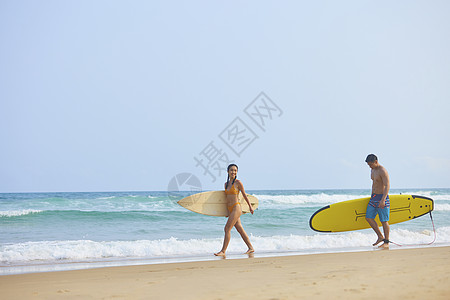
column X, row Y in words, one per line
column 376, row 176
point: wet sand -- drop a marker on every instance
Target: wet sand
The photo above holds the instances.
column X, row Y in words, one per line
column 422, row 273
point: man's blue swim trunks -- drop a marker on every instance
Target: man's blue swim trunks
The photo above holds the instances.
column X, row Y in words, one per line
column 373, row 209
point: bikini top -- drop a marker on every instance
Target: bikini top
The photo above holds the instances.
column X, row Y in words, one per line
column 232, row 191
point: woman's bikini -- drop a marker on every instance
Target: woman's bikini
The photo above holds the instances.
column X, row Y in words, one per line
column 232, row 191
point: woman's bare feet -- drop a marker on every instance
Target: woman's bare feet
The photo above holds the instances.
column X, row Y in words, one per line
column 221, row 253
column 250, row 251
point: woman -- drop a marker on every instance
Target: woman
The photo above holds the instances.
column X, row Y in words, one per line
column 232, row 189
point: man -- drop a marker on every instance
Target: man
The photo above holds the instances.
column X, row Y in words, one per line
column 379, row 201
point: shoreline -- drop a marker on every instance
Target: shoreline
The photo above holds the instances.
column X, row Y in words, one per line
column 414, row 272
column 49, row 266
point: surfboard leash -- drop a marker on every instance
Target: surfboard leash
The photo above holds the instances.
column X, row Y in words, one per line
column 434, row 230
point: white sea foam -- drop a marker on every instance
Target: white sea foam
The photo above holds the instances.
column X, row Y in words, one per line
column 17, row 213
column 305, row 200
column 442, row 207
column 431, row 194
column 132, row 202
column 85, row 250
column 106, row 204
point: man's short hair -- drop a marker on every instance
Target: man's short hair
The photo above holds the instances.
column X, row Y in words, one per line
column 371, row 158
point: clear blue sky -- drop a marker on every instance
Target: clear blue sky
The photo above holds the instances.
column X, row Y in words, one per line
column 123, row 95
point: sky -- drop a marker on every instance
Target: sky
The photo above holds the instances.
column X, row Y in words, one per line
column 132, row 95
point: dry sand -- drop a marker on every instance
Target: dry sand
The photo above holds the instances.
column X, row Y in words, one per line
column 422, row 273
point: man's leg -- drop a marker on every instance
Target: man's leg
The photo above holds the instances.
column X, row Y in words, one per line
column 371, row 213
column 375, row 228
column 383, row 213
column 386, row 229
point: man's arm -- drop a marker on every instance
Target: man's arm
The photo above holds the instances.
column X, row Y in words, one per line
column 387, row 186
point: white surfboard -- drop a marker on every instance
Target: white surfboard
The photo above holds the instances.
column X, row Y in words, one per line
column 215, row 203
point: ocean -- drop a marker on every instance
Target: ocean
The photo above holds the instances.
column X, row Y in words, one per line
column 64, row 231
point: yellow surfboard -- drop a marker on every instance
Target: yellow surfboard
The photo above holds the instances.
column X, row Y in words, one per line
column 350, row 215
column 215, row 203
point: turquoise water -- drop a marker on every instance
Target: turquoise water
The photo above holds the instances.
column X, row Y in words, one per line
column 39, row 229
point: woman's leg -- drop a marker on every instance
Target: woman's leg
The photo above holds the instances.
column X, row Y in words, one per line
column 232, row 219
column 244, row 236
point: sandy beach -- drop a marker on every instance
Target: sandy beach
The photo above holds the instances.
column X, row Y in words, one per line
column 422, row 273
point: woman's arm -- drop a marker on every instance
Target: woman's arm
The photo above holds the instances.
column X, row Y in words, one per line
column 241, row 188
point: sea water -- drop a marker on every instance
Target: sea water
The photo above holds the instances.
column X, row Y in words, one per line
column 58, row 231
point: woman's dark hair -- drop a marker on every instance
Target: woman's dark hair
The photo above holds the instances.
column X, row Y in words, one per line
column 228, row 178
